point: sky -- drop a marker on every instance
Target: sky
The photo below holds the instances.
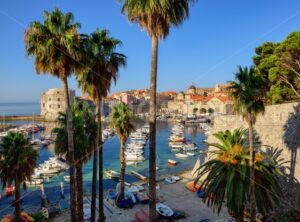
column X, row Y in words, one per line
column 204, row 50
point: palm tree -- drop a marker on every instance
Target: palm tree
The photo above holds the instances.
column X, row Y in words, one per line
column 248, row 93
column 17, row 163
column 84, row 133
column 226, row 176
column 156, row 17
column 55, row 44
column 121, row 121
column 103, row 65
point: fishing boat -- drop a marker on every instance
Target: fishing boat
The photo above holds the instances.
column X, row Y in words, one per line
column 164, row 210
column 172, row 162
column 181, row 155
column 111, row 173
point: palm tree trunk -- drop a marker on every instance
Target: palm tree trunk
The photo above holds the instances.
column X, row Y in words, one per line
column 94, row 180
column 79, row 192
column 252, row 176
column 123, row 166
column 100, row 191
column 152, row 158
column 17, row 200
column 71, row 152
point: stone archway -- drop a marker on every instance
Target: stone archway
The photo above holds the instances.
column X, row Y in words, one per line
column 203, row 111
column 211, row 111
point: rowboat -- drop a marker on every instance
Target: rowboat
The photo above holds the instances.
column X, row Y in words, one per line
column 191, row 186
column 164, row 210
column 112, row 173
column 10, row 190
column 172, row 162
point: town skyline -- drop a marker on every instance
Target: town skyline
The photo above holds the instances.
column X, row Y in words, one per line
column 202, row 59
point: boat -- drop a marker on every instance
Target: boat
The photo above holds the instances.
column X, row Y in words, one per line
column 172, row 162
column 86, row 211
column 112, row 173
column 189, row 147
column 34, row 182
column 142, row 198
column 191, row 186
column 141, row 216
column 134, row 157
column 10, row 190
column 138, row 175
column 181, row 155
column 190, row 154
column 164, row 210
column 170, row 180
column 177, row 178
column 67, row 178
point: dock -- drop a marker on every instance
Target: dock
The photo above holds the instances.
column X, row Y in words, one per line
column 138, row 175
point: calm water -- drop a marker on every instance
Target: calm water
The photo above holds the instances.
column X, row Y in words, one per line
column 111, row 148
column 19, row 109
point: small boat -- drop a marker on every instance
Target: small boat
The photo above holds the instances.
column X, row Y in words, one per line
column 181, row 155
column 112, row 173
column 172, row 162
column 67, row 178
column 177, row 178
column 141, row 216
column 138, row 175
column 86, row 211
column 10, row 190
column 164, row 210
column 34, row 182
column 190, row 154
column 170, row 180
column 142, row 198
column 191, row 186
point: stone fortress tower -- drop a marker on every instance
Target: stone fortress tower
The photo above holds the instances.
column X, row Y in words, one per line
column 53, row 101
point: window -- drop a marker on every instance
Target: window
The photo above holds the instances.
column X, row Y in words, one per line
column 49, row 106
column 44, row 105
column 57, row 92
column 58, row 99
column 49, row 99
column 58, row 106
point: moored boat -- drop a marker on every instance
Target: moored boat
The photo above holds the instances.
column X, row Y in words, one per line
column 172, row 162
column 181, row 155
column 164, row 210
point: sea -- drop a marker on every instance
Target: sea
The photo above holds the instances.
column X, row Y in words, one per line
column 31, row 197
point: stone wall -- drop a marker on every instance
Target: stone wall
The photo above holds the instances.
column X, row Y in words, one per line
column 278, row 127
column 53, row 101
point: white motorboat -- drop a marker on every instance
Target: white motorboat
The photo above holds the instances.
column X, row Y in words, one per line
column 181, row 155
column 134, row 157
column 67, row 178
column 190, row 154
column 189, row 147
column 34, row 182
column 177, row 145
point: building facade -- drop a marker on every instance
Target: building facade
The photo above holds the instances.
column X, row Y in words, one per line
column 202, row 101
column 53, row 101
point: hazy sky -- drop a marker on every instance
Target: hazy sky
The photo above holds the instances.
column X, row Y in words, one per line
column 218, row 36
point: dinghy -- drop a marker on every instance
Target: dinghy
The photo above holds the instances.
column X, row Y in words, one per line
column 141, row 216
column 181, row 155
column 170, row 180
column 172, row 162
column 164, row 210
column 191, row 186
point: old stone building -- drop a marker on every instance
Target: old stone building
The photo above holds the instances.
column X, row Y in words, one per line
column 202, row 101
column 53, row 101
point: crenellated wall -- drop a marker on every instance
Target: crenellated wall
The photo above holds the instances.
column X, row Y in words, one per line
column 278, row 127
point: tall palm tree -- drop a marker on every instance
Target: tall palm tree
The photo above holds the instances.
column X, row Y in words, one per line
column 85, row 129
column 17, row 163
column 55, row 44
column 102, row 68
column 226, row 176
column 156, row 17
column 248, row 93
column 121, row 121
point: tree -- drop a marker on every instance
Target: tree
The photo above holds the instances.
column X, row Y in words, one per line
column 85, row 129
column 279, row 64
column 102, row 67
column 156, row 17
column 248, row 94
column 228, row 176
column 17, row 163
column 55, row 44
column 121, row 121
